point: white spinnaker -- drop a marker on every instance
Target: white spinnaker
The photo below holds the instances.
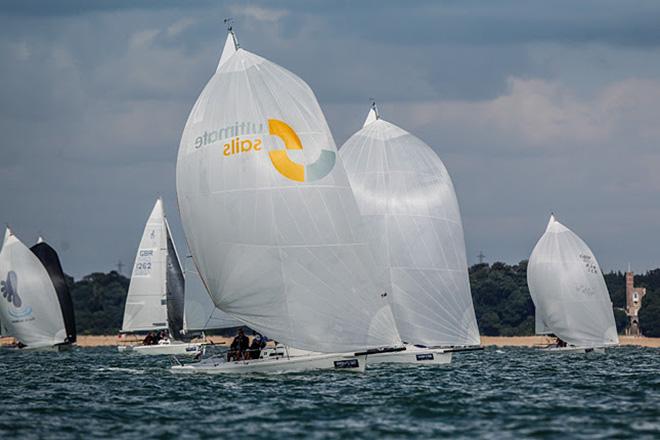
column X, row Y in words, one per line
column 228, row 50
column 200, row 312
column 568, row 289
column 146, row 305
column 539, row 324
column 408, row 200
column 29, row 308
column 285, row 257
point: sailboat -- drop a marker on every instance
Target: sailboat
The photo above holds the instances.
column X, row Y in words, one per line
column 272, row 224
column 569, row 293
column 30, row 310
column 408, row 202
column 155, row 300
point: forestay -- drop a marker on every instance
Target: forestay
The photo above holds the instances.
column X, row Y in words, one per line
column 269, row 215
column 146, row 302
column 408, row 201
column 568, row 289
column 29, row 308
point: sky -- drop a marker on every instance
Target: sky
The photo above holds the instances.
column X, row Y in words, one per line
column 533, row 106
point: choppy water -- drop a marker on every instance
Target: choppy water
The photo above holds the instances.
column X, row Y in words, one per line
column 498, row 393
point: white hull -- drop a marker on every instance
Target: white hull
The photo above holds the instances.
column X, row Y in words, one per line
column 295, row 364
column 566, row 350
column 412, row 356
column 174, row 348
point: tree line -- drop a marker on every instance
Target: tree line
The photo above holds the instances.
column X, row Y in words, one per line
column 504, row 307
column 499, row 292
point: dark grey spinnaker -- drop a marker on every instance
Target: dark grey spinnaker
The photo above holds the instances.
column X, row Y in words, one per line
column 48, row 257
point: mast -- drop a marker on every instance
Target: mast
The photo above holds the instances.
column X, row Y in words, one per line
column 373, row 114
column 231, row 43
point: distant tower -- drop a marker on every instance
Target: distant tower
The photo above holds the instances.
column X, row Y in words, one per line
column 120, row 266
column 481, row 257
column 634, row 297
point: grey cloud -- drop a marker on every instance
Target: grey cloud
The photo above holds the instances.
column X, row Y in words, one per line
column 93, row 98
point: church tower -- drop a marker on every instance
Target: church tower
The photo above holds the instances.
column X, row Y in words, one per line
column 634, row 297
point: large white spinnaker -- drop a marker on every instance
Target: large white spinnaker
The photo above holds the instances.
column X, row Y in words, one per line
column 569, row 291
column 29, row 308
column 146, row 303
column 408, row 200
column 270, row 217
column 200, row 312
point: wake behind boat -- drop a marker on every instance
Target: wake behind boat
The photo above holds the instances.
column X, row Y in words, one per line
column 408, row 202
column 569, row 293
column 155, row 301
column 272, row 224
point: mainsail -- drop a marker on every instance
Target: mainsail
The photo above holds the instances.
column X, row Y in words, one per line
column 146, row 303
column 270, row 217
column 408, row 201
column 200, row 312
column 29, row 308
column 51, row 262
column 568, row 289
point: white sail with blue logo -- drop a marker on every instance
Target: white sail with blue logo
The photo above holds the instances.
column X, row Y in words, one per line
column 200, row 312
column 569, row 291
column 146, row 302
column 409, row 204
column 29, row 307
column 269, row 214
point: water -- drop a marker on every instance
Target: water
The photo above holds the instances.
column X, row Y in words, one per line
column 498, row 393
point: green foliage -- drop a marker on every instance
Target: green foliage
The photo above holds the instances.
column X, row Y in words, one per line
column 616, row 284
column 504, row 307
column 649, row 315
column 98, row 301
column 621, row 319
column 499, row 291
column 501, row 299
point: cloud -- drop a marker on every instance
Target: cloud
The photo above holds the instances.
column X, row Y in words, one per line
column 531, row 106
column 259, row 13
column 541, row 115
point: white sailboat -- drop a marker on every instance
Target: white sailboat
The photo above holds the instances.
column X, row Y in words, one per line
column 155, row 298
column 29, row 307
column 272, row 223
column 569, row 292
column 407, row 199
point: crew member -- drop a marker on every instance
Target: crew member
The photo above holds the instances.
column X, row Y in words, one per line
column 238, row 346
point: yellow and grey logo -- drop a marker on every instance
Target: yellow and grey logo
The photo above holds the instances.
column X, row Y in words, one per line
column 246, row 138
column 293, row 170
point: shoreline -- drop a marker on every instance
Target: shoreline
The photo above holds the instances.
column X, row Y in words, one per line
column 486, row 341
column 531, row 341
